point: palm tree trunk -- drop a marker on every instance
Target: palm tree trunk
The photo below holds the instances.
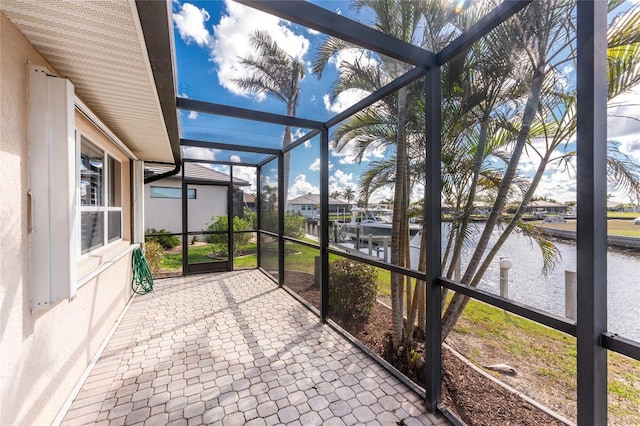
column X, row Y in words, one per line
column 458, row 302
column 397, row 240
column 468, row 208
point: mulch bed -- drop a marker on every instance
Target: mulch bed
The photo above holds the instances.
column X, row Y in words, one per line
column 472, row 397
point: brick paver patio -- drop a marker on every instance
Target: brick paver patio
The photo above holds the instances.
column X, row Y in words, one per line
column 234, row 349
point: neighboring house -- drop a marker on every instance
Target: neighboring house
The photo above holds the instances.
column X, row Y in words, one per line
column 541, row 208
column 71, row 185
column 206, row 197
column 309, row 205
column 250, row 202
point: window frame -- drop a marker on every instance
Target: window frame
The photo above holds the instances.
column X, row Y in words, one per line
column 179, row 190
column 112, row 192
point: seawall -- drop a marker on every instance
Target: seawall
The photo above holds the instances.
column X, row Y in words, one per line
column 616, row 241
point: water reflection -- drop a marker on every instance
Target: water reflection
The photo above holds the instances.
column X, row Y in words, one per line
column 528, row 285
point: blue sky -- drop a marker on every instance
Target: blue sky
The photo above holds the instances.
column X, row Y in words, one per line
column 210, row 39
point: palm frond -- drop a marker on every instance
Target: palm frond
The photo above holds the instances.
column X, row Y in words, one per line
column 551, row 256
column 330, row 47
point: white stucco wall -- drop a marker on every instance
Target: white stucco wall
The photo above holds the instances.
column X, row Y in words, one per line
column 43, row 355
column 166, row 213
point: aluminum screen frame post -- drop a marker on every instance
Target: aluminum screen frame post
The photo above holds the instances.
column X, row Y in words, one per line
column 324, row 224
column 432, row 226
column 185, row 225
column 258, row 217
column 281, row 207
column 592, row 222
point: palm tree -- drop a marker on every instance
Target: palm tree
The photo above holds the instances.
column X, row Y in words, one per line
column 482, row 117
column 349, row 194
column 549, row 113
column 276, row 74
column 386, row 124
column 336, row 195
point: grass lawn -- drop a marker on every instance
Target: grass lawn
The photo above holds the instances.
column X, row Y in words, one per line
column 546, row 359
column 172, row 261
column 622, row 215
column 621, row 227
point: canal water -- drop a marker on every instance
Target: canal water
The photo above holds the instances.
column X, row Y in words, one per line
column 528, row 285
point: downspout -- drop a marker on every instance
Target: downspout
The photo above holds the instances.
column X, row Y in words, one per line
column 154, row 178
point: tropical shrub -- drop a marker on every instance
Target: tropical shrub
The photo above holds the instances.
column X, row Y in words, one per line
column 221, row 223
column 292, row 223
column 352, row 289
column 166, row 241
column 153, row 252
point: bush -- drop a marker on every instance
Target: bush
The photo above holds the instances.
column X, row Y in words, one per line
column 153, row 252
column 220, row 223
column 166, row 241
column 292, row 223
column 352, row 289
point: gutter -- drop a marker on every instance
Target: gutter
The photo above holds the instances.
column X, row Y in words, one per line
column 154, row 178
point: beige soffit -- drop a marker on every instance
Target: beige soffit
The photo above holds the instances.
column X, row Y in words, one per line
column 99, row 46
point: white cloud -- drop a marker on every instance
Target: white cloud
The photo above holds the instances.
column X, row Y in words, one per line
column 339, row 180
column 307, row 144
column 193, row 115
column 351, row 96
column 301, row 187
column 247, row 174
column 344, row 100
column 196, row 153
column 315, row 166
column 347, row 156
column 231, row 42
column 623, row 122
column 631, row 148
column 190, row 22
column 559, row 185
column 313, row 32
column 351, row 56
column 235, row 159
column 382, row 194
column 297, row 133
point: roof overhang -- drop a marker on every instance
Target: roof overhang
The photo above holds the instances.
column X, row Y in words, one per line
column 102, row 48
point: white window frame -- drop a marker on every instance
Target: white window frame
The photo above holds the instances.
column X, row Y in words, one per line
column 177, row 197
column 104, row 208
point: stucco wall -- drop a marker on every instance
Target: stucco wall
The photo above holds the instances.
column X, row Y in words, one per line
column 166, row 213
column 43, row 355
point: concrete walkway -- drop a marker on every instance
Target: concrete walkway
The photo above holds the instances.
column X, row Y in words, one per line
column 234, row 349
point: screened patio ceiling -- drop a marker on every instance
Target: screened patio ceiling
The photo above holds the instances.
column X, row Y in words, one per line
column 251, row 132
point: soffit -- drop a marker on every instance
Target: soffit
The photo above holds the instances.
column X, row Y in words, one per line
column 100, row 47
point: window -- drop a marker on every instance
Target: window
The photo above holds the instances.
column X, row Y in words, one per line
column 100, row 197
column 168, row 192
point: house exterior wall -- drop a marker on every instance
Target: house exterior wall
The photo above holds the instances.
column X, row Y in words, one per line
column 313, row 211
column 166, row 213
column 44, row 354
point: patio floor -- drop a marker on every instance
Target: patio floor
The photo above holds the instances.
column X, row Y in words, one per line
column 232, row 348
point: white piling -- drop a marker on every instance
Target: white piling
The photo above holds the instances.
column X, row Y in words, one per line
column 386, row 247
column 570, row 294
column 505, row 265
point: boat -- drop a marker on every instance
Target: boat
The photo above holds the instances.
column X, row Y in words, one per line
column 374, row 222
